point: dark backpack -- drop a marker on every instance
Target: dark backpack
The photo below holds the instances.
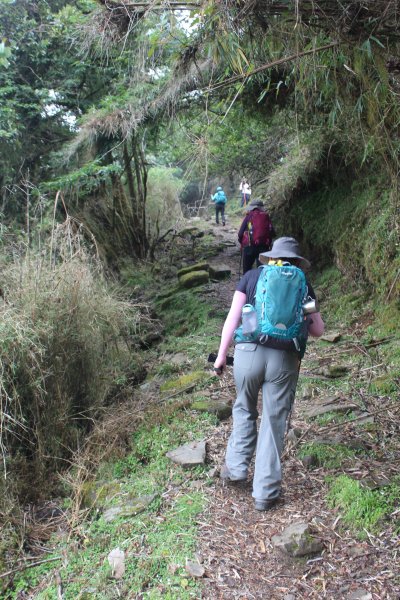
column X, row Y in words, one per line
column 258, row 231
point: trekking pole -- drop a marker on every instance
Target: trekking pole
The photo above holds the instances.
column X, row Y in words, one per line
column 240, row 262
column 289, row 417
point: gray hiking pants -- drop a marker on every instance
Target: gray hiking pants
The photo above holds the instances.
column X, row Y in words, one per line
column 275, row 372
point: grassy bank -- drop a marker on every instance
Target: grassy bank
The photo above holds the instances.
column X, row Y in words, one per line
column 157, row 541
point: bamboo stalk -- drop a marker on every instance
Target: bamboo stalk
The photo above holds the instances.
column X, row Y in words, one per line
column 280, row 61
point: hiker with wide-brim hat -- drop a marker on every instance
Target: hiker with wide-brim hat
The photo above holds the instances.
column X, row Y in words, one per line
column 271, row 365
column 255, row 234
column 287, row 248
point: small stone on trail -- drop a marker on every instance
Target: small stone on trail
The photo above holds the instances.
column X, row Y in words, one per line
column 333, row 371
column 331, row 337
column 130, row 508
column 296, row 540
column 220, row 409
column 359, row 594
column 189, row 455
column 194, row 569
column 197, row 484
column 116, row 560
column 293, row 435
column 177, row 359
column 310, row 460
column 219, row 272
column 340, row 408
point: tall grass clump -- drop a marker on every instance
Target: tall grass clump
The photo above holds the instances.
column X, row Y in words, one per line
column 65, row 347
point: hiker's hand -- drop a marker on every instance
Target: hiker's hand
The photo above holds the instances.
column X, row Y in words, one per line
column 219, row 366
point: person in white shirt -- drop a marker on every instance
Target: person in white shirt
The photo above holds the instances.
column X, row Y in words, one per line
column 245, row 189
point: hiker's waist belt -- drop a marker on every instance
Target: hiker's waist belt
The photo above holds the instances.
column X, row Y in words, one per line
column 277, row 344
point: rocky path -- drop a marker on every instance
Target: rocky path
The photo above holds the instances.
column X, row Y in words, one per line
column 236, row 543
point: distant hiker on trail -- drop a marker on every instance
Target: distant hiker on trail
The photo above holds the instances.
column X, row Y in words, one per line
column 220, row 200
column 245, row 189
column 274, row 303
column 255, row 234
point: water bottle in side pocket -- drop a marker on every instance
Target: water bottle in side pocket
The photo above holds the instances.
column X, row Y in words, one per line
column 249, row 319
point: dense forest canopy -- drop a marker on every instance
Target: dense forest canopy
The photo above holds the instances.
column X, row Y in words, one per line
column 94, row 94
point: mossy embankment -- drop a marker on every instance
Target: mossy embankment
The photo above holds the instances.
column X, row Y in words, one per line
column 352, row 224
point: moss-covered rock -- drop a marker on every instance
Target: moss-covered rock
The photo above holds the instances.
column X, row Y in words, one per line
column 334, row 371
column 130, row 507
column 188, row 380
column 193, row 279
column 220, row 409
column 201, row 266
column 297, row 541
column 191, row 232
column 211, row 249
column 97, row 494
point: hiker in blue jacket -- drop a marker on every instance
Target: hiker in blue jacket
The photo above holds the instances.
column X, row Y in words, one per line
column 220, row 200
column 271, row 365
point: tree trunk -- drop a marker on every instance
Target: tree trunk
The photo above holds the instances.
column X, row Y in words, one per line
column 135, row 190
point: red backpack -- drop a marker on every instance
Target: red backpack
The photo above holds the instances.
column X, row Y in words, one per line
column 258, row 230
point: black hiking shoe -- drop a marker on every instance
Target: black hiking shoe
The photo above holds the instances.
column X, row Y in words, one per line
column 226, row 475
column 263, row 505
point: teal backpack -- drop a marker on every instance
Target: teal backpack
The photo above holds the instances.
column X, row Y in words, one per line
column 280, row 294
column 220, row 197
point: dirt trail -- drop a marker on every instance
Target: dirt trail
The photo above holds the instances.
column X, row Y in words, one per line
column 235, row 540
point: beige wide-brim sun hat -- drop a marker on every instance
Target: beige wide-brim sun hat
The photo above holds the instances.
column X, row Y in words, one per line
column 285, row 247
